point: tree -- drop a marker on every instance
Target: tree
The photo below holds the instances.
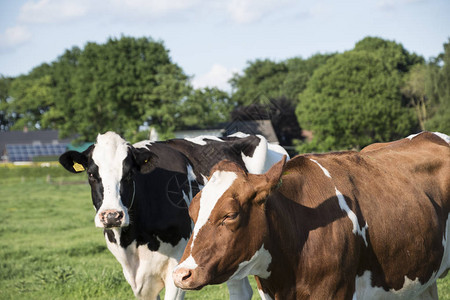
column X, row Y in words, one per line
column 299, row 72
column 414, row 89
column 266, row 79
column 31, row 98
column 7, row 118
column 394, row 55
column 354, row 99
column 116, row 86
column 438, row 91
column 262, row 79
column 63, row 77
column 206, row 107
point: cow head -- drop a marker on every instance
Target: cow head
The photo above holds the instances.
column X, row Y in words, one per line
column 230, row 227
column 110, row 165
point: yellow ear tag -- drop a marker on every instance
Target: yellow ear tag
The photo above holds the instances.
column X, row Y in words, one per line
column 77, row 167
column 146, row 161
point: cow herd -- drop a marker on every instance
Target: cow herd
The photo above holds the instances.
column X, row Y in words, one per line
column 185, row 213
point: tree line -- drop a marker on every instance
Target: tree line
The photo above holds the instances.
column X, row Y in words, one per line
column 376, row 92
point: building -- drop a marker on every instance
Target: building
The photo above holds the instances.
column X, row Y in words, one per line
column 18, row 146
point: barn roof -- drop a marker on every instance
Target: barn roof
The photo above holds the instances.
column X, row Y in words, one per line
column 40, row 137
column 262, row 127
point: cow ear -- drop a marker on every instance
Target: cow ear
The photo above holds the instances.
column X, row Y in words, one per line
column 269, row 181
column 74, row 161
column 144, row 159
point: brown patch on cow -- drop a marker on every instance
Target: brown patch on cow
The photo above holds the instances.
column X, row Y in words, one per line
column 400, row 189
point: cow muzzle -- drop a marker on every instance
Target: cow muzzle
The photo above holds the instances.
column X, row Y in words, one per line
column 189, row 279
column 183, row 278
column 111, row 218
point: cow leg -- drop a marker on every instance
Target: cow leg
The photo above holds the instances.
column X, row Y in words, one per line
column 150, row 289
column 431, row 293
column 172, row 292
column 240, row 289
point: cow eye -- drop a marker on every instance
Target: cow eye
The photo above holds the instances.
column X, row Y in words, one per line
column 230, row 217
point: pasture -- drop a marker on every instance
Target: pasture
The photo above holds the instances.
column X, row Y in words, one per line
column 50, row 249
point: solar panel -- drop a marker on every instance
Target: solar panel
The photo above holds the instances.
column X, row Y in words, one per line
column 26, row 152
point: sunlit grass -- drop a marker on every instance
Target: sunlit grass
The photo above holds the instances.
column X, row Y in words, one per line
column 50, row 249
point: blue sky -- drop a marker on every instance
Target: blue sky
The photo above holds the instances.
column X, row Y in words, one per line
column 212, row 39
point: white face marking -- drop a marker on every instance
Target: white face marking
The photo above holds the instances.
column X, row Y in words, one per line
column 219, row 183
column 200, row 140
column 257, row 265
column 188, row 263
column 109, row 154
column 344, row 206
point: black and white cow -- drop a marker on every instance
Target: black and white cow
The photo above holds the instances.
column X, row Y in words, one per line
column 141, row 193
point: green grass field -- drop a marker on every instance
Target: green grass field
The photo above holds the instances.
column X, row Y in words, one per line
column 50, row 249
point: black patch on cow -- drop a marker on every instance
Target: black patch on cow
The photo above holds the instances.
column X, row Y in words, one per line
column 204, row 157
column 96, row 184
column 110, row 235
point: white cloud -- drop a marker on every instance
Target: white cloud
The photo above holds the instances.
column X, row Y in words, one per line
column 52, row 11
column 386, row 4
column 218, row 77
column 14, row 36
column 247, row 11
column 320, row 10
column 150, row 7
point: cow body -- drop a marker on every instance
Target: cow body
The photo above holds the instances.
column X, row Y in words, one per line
column 141, row 193
column 349, row 225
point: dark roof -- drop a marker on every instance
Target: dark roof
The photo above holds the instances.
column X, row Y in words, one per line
column 262, row 127
column 30, row 137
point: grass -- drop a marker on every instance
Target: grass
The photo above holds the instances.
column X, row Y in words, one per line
column 50, row 249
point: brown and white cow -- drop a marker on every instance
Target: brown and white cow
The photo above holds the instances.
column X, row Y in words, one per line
column 347, row 225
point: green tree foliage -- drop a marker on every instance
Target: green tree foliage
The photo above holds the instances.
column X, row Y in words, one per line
column 300, row 71
column 7, row 118
column 62, row 113
column 354, row 99
column 116, row 86
column 121, row 84
column 206, row 107
column 262, row 79
column 414, row 89
column 266, row 79
column 32, row 98
column 438, row 92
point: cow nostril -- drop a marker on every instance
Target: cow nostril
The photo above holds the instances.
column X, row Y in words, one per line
column 186, row 275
